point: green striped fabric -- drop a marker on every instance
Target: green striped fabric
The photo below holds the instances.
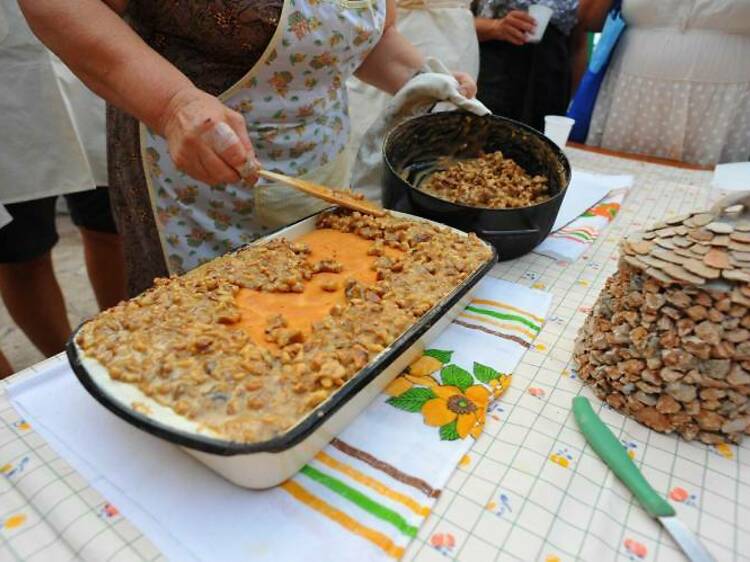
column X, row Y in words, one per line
column 358, row 498
column 505, row 316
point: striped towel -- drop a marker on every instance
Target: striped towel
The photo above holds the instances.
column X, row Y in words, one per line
column 362, row 498
column 571, row 241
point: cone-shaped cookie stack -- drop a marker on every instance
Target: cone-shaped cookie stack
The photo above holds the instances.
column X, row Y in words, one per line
column 668, row 340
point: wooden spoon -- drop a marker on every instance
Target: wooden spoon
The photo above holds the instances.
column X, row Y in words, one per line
column 337, row 196
column 221, row 136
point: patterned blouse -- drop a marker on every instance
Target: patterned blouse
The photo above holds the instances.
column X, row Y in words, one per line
column 214, row 42
column 564, row 18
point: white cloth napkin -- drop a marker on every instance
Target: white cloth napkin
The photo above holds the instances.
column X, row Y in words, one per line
column 585, row 190
column 417, row 96
column 571, row 238
column 363, row 498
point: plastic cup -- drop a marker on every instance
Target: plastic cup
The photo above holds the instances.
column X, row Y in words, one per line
column 542, row 15
column 557, row 128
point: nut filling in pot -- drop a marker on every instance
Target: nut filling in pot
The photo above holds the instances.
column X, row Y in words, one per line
column 491, row 181
column 249, row 343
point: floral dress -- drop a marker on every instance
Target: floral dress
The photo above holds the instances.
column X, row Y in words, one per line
column 294, row 101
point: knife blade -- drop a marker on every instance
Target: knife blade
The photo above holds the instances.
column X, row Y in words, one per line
column 611, row 451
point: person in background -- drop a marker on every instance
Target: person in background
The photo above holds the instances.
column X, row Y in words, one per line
column 218, row 85
column 678, row 84
column 53, row 144
column 5, row 368
column 517, row 79
column 442, row 29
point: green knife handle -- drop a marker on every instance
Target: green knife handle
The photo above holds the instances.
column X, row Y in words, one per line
column 611, row 451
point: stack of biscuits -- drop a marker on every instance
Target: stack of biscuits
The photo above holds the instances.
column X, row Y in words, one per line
column 668, row 341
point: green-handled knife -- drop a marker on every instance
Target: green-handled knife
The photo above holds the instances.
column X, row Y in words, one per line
column 611, row 451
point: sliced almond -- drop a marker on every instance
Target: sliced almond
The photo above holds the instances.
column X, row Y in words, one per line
column 742, row 226
column 685, row 253
column 677, row 219
column 736, row 275
column 701, row 235
column 666, row 255
column 743, row 237
column 682, row 274
column 665, row 243
column 666, row 232
column 701, row 269
column 700, row 219
column 643, row 247
column 700, row 249
column 719, row 227
column 635, row 262
column 656, row 274
column 681, row 242
column 720, row 240
column 739, row 246
column 716, row 258
column 741, row 256
column 653, row 262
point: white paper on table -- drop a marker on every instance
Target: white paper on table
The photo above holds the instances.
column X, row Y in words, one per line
column 5, row 217
column 584, row 191
column 732, row 177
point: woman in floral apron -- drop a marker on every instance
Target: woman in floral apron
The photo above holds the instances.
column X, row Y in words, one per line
column 273, row 71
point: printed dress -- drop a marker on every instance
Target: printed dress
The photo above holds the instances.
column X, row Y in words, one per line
column 295, row 104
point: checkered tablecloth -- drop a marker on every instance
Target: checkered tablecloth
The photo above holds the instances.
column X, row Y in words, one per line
column 529, row 489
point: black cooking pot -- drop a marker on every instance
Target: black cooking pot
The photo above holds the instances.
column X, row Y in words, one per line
column 411, row 152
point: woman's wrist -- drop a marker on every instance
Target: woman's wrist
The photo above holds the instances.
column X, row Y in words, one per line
column 181, row 98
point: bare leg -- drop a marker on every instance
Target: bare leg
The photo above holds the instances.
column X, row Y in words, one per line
column 105, row 263
column 5, row 369
column 34, row 299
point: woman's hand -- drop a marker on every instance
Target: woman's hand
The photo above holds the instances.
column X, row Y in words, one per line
column 513, row 28
column 466, row 85
column 207, row 140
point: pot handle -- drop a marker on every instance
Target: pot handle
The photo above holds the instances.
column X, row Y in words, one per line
column 525, row 232
column 731, row 200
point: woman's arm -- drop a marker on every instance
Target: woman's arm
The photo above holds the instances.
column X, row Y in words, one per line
column 394, row 60
column 578, row 47
column 112, row 60
column 511, row 28
column 593, row 13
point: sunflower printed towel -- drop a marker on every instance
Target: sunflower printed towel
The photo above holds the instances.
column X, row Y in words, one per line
column 361, row 498
column 572, row 240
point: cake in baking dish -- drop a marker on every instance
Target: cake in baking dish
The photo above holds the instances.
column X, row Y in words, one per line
column 249, row 343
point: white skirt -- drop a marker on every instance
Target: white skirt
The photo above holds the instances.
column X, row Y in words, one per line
column 678, row 95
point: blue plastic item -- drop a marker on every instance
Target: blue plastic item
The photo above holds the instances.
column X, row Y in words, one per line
column 584, row 100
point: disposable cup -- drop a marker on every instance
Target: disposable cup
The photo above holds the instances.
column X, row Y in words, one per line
column 557, row 128
column 542, row 15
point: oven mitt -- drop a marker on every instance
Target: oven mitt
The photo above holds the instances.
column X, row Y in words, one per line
column 418, row 96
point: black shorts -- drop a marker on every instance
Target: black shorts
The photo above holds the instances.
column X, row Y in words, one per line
column 32, row 232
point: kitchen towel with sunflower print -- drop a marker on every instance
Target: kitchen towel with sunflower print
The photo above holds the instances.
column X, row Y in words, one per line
column 361, row 498
column 590, row 205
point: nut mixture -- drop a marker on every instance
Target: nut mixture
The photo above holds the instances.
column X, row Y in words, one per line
column 488, row 181
column 668, row 340
column 177, row 342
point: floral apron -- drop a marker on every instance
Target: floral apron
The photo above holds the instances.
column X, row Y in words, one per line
column 294, row 101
